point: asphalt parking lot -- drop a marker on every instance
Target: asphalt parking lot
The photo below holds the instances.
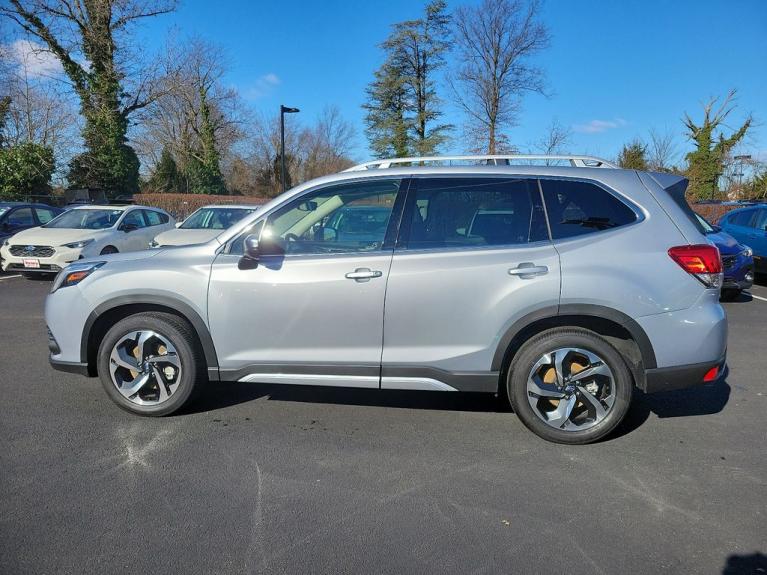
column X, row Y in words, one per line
column 262, row 479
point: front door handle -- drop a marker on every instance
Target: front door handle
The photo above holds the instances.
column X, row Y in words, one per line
column 363, row 274
column 528, row 270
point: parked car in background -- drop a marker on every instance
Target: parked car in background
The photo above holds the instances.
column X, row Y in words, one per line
column 749, row 227
column 561, row 288
column 737, row 260
column 19, row 216
column 202, row 225
column 82, row 232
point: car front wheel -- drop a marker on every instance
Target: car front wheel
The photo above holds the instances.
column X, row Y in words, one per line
column 151, row 363
column 569, row 385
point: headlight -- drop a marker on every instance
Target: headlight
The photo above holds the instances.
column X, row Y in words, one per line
column 80, row 244
column 747, row 252
column 74, row 273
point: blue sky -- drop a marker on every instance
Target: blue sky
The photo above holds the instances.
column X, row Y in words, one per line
column 615, row 69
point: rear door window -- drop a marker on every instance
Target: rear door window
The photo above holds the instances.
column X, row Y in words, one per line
column 21, row 217
column 152, row 217
column 577, row 208
column 474, row 212
column 760, row 222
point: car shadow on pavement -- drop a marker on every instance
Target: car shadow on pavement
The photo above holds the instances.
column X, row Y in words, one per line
column 222, row 395
column 745, row 564
column 704, row 399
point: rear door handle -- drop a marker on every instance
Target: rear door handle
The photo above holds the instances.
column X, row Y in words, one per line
column 363, row 274
column 528, row 270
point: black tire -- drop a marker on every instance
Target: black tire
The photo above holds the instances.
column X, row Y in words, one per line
column 729, row 294
column 109, row 250
column 564, row 337
column 182, row 336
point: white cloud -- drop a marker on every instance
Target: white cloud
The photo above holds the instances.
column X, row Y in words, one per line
column 597, row 126
column 34, row 59
column 263, row 86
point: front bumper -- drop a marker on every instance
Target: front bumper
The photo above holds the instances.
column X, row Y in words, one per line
column 69, row 366
column 53, row 264
column 680, row 377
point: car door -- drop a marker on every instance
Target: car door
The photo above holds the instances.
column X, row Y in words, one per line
column 739, row 224
column 132, row 232
column 473, row 257
column 757, row 237
column 313, row 315
column 155, row 226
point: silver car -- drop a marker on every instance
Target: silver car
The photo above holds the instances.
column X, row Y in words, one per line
column 560, row 287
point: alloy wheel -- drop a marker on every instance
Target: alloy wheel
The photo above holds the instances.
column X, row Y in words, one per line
column 145, row 367
column 571, row 389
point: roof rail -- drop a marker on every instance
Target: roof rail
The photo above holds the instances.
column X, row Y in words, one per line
column 491, row 160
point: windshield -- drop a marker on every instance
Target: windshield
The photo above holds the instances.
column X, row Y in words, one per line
column 215, row 218
column 86, row 219
column 707, row 228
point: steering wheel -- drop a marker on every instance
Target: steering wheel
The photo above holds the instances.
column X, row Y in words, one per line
column 291, row 237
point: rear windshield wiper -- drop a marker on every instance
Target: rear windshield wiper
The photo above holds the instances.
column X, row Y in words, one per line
column 598, row 223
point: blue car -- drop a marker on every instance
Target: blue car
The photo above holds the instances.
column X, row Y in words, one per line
column 749, row 227
column 737, row 260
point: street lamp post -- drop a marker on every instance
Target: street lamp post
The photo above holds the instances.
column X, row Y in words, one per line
column 284, row 110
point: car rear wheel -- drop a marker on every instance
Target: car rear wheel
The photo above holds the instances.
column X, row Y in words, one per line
column 151, row 363
column 569, row 385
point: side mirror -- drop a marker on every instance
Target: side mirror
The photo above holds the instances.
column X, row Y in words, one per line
column 129, row 228
column 329, row 234
column 254, row 249
column 251, row 248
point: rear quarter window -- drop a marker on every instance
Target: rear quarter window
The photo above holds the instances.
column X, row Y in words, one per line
column 578, row 208
column 743, row 218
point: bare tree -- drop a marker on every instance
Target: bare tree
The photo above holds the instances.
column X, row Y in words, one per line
column 496, row 41
column 554, row 142
column 327, row 145
column 661, row 151
column 196, row 115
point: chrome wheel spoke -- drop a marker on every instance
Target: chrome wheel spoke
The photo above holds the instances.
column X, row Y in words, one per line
column 143, row 337
column 163, row 390
column 120, row 358
column 591, row 371
column 133, row 387
column 561, row 414
column 559, row 357
column 540, row 389
column 594, row 402
column 169, row 358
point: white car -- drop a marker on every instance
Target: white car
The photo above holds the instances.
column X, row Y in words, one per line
column 203, row 225
column 83, row 232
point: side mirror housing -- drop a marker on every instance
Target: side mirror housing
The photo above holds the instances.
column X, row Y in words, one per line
column 254, row 249
column 251, row 247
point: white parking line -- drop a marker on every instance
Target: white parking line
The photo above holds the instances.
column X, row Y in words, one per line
column 757, row 297
column 9, row 277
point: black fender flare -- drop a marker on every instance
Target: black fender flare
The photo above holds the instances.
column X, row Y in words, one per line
column 576, row 310
column 183, row 309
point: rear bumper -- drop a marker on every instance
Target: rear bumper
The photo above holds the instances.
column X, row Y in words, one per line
column 679, row 377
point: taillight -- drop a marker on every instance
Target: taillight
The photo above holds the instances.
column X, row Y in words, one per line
column 702, row 261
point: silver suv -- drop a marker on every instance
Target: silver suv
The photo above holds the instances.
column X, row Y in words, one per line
column 560, row 287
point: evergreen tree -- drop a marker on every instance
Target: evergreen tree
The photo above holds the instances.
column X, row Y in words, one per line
column 166, row 177
column 633, row 156
column 25, row 169
column 403, row 108
column 386, row 126
column 705, row 164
